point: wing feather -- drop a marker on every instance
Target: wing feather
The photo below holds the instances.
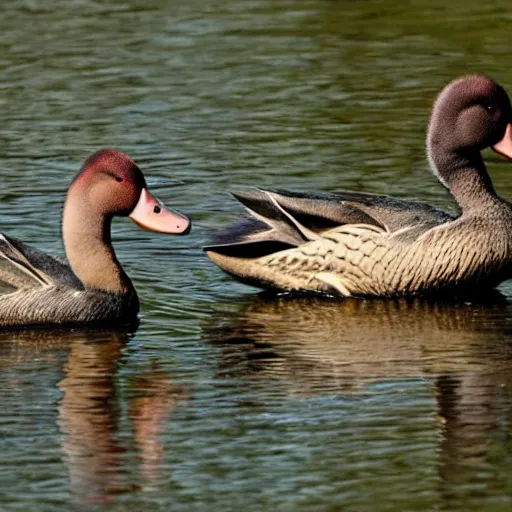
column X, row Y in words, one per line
column 16, row 271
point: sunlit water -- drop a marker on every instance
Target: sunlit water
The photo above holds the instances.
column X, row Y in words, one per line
column 224, row 399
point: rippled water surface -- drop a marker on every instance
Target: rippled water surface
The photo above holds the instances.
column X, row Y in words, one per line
column 225, row 399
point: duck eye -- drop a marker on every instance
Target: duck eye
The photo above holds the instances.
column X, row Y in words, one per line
column 119, row 179
column 490, row 108
column 157, row 209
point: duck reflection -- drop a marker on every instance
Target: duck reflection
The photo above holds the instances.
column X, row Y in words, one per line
column 90, row 414
column 308, row 346
column 316, row 344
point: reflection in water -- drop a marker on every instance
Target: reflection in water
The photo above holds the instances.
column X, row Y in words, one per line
column 344, row 345
column 155, row 398
column 312, row 346
column 89, row 414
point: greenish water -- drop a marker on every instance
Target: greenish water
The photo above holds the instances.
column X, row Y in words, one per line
column 224, row 399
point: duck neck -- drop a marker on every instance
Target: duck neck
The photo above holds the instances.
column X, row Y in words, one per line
column 466, row 178
column 89, row 250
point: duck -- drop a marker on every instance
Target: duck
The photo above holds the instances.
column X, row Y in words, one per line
column 89, row 287
column 356, row 244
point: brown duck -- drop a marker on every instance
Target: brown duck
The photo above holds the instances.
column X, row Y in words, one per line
column 359, row 244
column 91, row 288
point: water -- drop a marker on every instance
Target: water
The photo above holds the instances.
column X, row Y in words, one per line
column 224, row 399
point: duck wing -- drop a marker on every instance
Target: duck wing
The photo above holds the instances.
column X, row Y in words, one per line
column 281, row 219
column 24, row 268
column 392, row 212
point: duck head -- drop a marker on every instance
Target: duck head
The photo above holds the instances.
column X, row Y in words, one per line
column 111, row 184
column 470, row 114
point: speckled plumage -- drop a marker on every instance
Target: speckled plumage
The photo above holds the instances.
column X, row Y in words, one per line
column 352, row 243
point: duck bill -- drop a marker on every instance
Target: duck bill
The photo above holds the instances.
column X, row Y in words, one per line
column 504, row 146
column 151, row 214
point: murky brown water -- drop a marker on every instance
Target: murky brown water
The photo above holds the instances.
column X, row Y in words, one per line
column 225, row 399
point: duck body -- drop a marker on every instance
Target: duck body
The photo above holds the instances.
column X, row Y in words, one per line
column 90, row 288
column 45, row 291
column 356, row 244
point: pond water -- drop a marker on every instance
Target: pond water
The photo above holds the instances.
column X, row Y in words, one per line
column 224, row 398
